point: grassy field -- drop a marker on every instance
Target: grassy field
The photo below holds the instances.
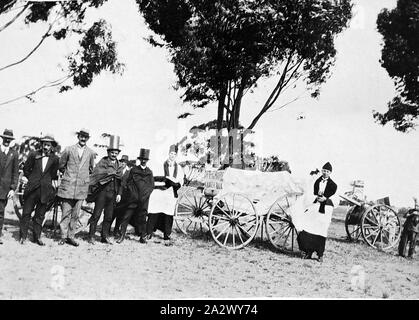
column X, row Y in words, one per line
column 198, row 268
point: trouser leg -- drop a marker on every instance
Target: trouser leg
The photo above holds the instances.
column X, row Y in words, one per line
column 151, row 222
column 403, row 243
column 66, row 211
column 118, row 217
column 412, row 244
column 168, row 224
column 28, row 207
column 74, row 218
column 125, row 219
column 141, row 213
column 107, row 214
column 38, row 219
column 97, row 211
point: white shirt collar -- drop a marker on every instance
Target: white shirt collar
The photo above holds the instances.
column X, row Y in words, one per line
column 4, row 149
column 143, row 167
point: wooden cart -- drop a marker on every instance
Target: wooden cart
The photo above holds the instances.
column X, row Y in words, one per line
column 232, row 219
column 378, row 225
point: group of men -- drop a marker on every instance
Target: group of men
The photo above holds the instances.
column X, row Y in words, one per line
column 120, row 192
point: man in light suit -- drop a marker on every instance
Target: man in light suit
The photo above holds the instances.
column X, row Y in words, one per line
column 40, row 172
column 76, row 163
column 9, row 173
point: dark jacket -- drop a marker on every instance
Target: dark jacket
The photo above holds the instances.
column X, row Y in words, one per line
column 9, row 172
column 329, row 191
column 412, row 221
column 105, row 174
column 137, row 185
column 37, row 178
column 166, row 169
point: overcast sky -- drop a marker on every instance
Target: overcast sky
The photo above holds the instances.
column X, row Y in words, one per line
column 142, row 107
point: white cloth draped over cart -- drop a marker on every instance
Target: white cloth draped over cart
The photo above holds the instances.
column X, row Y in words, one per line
column 267, row 187
column 264, row 187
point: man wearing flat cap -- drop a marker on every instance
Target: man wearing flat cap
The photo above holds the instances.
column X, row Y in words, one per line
column 41, row 174
column 9, row 173
column 318, row 216
column 105, row 190
column 76, row 164
column 137, row 188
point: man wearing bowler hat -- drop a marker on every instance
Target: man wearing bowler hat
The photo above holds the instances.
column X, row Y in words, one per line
column 105, row 190
column 138, row 186
column 124, row 163
column 76, row 163
column 9, row 173
column 40, row 172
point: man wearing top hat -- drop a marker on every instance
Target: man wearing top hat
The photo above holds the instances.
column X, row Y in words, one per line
column 138, row 186
column 41, row 173
column 105, row 190
column 9, row 173
column 171, row 169
column 76, row 163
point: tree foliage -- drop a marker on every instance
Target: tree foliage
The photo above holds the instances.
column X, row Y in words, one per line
column 400, row 57
column 220, row 49
column 96, row 50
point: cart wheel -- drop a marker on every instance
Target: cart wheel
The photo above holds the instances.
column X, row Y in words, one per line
column 233, row 221
column 380, row 227
column 353, row 231
column 191, row 212
column 279, row 227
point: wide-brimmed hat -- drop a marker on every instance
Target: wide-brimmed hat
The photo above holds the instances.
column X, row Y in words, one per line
column 124, row 158
column 114, row 143
column 47, row 138
column 144, row 154
column 83, row 131
column 7, row 134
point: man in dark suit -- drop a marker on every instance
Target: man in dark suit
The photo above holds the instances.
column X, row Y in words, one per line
column 171, row 169
column 40, row 170
column 136, row 194
column 105, row 190
column 9, row 173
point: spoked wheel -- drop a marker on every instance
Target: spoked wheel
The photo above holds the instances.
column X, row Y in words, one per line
column 280, row 230
column 380, row 227
column 191, row 212
column 233, row 221
column 353, row 229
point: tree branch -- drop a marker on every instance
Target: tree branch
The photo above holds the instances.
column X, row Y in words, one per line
column 30, row 53
column 275, row 93
column 15, row 17
column 284, row 84
column 45, row 86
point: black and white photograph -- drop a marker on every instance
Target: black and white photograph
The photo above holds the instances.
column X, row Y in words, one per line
column 220, row 151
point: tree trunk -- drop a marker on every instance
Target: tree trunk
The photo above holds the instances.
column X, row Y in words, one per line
column 221, row 106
